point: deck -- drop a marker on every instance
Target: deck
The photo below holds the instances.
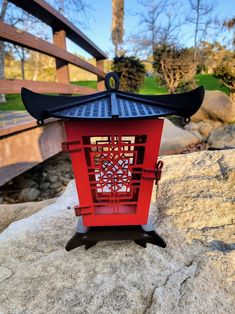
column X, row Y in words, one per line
column 23, row 144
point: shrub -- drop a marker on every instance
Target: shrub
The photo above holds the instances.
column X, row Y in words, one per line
column 186, row 86
column 224, row 72
column 201, row 68
column 174, row 66
column 131, row 72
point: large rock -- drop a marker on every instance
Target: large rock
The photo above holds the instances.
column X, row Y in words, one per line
column 197, row 192
column 13, row 212
column 175, row 140
column 38, row 276
column 29, row 194
column 222, row 137
column 216, row 106
column 202, row 129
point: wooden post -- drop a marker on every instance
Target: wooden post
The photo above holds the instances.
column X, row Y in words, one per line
column 62, row 69
column 100, row 80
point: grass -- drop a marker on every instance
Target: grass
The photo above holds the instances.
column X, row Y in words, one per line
column 91, row 84
column 211, row 83
column 150, row 87
column 13, row 103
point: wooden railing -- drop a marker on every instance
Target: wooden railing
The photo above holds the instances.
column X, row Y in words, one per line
column 61, row 29
column 24, row 145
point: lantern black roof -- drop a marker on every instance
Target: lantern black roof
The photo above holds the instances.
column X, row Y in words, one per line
column 112, row 103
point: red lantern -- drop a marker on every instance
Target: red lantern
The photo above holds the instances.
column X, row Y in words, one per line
column 113, row 139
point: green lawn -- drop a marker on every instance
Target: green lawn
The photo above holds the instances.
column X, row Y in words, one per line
column 91, row 84
column 13, row 102
column 150, row 88
column 211, row 83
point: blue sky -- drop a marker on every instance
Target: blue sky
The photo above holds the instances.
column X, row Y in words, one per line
column 100, row 23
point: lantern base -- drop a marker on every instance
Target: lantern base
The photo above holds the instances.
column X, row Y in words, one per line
column 95, row 234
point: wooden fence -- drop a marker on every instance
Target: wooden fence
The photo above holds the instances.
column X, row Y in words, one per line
column 23, row 146
column 61, row 28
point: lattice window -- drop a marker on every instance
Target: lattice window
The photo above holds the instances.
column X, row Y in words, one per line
column 115, row 165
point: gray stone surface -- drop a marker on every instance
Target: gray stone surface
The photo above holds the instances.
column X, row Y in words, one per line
column 39, row 276
column 197, row 192
column 216, row 106
column 46, row 180
column 12, row 212
column 202, row 129
column 222, row 137
column 175, row 140
column 29, row 194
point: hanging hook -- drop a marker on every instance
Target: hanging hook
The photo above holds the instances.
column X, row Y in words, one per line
column 115, row 77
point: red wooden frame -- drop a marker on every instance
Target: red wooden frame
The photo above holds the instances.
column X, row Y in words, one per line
column 113, row 164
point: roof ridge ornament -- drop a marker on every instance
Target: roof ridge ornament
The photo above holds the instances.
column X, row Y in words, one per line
column 115, row 77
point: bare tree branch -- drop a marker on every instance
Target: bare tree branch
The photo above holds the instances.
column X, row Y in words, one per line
column 201, row 17
column 159, row 22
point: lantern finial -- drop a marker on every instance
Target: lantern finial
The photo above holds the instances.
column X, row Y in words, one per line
column 115, row 77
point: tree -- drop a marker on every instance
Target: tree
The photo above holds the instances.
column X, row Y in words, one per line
column 230, row 24
column 226, row 73
column 117, row 23
column 159, row 23
column 132, row 72
column 201, row 17
column 174, row 66
column 212, row 55
column 77, row 11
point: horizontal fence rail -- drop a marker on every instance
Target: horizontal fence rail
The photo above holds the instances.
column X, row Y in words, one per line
column 47, row 14
column 18, row 37
column 14, row 87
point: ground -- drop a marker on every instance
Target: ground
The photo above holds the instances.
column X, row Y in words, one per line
column 193, row 274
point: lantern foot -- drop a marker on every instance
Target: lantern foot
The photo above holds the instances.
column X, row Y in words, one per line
column 95, row 234
column 89, row 244
column 75, row 241
column 141, row 243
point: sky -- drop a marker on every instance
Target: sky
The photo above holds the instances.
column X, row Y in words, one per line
column 100, row 22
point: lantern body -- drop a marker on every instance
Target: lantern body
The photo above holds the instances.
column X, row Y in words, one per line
column 114, row 165
column 113, row 138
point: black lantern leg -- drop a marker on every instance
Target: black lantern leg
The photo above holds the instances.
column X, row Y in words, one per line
column 95, row 234
column 155, row 239
column 141, row 243
column 75, row 241
column 89, row 244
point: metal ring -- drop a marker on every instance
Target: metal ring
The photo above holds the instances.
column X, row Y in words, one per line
column 40, row 122
column 159, row 165
column 115, row 77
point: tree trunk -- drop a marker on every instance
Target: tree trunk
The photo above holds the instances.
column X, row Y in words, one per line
column 117, row 23
column 116, row 50
column 22, row 61
column 2, row 48
column 196, row 30
column 35, row 75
